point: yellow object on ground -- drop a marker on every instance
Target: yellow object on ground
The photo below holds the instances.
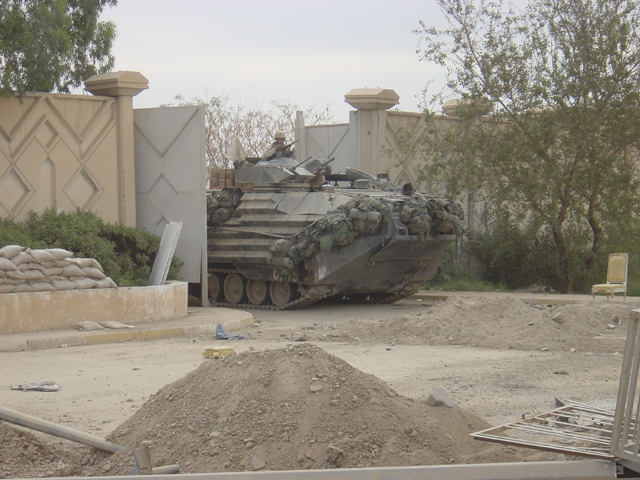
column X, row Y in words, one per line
column 217, row 352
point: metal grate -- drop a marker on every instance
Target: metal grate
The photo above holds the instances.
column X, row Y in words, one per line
column 572, row 428
column 625, row 443
column 580, row 429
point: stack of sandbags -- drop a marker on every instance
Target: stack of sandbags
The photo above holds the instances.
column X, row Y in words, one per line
column 46, row 270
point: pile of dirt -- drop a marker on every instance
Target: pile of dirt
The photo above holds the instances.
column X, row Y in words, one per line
column 494, row 322
column 23, row 455
column 295, row 408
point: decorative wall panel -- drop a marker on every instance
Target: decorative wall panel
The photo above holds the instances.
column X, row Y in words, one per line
column 58, row 151
column 171, row 180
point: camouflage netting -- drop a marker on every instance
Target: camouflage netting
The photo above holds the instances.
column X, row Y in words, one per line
column 222, row 204
column 364, row 214
column 420, row 214
column 51, row 269
column 367, row 213
column 415, row 215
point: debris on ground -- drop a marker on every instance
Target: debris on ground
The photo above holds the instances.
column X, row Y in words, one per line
column 46, row 386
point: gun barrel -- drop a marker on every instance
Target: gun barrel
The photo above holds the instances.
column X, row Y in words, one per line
column 304, row 161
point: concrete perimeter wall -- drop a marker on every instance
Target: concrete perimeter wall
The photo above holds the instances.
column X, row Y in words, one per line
column 71, row 151
column 38, row 311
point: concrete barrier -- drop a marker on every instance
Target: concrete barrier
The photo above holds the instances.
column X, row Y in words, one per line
column 38, row 311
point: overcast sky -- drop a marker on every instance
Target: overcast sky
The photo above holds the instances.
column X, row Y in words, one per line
column 258, row 51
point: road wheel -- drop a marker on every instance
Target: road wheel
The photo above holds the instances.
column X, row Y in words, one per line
column 215, row 287
column 281, row 293
column 234, row 288
column 257, row 292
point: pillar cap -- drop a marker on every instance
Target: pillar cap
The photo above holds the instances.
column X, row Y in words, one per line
column 116, row 84
column 372, row 98
column 457, row 107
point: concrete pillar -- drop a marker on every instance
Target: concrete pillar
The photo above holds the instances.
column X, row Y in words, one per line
column 371, row 120
column 300, row 135
column 123, row 86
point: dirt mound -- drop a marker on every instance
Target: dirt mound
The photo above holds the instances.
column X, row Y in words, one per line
column 294, row 408
column 23, row 455
column 494, row 322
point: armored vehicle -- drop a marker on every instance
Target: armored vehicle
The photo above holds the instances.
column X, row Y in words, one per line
column 289, row 234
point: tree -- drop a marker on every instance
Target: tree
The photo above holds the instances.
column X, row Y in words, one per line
column 52, row 45
column 253, row 126
column 559, row 146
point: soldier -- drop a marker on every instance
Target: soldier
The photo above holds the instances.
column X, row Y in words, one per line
column 278, row 148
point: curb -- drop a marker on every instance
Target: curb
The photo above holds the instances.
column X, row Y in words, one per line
column 550, row 299
column 534, row 300
column 78, row 339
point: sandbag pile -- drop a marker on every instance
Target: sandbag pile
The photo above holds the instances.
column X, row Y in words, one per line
column 338, row 228
column 46, row 270
column 363, row 215
column 221, row 205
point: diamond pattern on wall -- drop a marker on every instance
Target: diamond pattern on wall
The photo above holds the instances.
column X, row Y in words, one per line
column 14, row 191
column 82, row 190
column 162, row 194
column 5, row 163
column 46, row 134
column 63, row 148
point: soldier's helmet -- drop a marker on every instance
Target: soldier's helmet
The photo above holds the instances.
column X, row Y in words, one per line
column 280, row 135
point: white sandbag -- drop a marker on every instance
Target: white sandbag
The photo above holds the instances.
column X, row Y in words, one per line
column 11, row 281
column 106, row 282
column 48, row 264
column 30, row 266
column 41, row 255
column 59, row 253
column 89, row 325
column 42, row 287
column 52, row 271
column 7, row 265
column 14, row 275
column 84, row 282
column 10, row 251
column 23, row 288
column 72, row 271
column 114, row 325
column 22, row 257
column 7, row 288
column 33, row 275
column 63, row 284
column 62, row 263
column 86, row 262
column 93, row 272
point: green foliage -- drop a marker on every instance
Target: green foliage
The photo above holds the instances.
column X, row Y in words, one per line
column 560, row 146
column 633, row 286
column 521, row 254
column 14, row 234
column 453, row 276
column 125, row 253
column 53, row 45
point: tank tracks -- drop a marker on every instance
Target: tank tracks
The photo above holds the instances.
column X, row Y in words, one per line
column 313, row 295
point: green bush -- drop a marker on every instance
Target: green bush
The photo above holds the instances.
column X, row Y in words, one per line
column 453, row 275
column 520, row 255
column 125, row 253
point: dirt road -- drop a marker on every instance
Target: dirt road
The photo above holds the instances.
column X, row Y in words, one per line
column 103, row 385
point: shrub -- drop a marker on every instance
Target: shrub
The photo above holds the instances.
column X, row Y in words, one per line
column 125, row 253
column 453, row 275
